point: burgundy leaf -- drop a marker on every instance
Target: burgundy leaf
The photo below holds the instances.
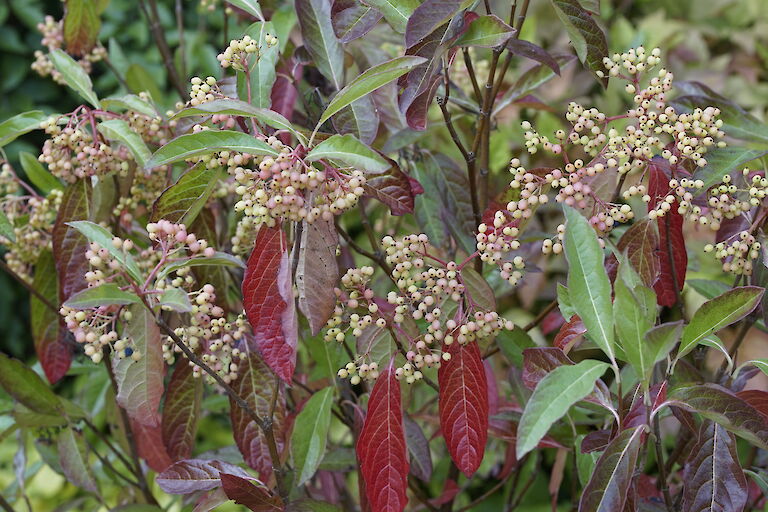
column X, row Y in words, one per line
column 81, row 26
column 539, row 361
column 243, row 492
column 427, row 17
column 284, row 93
column 181, row 411
column 641, row 245
column 50, row 340
column 670, row 236
column 416, row 113
column 723, row 406
column 256, row 383
column 149, row 444
column 69, row 245
column 317, row 272
column 192, row 475
column 569, row 334
column 418, row 446
column 713, row 480
column 269, row 303
column 463, row 405
column 608, row 487
column 596, row 441
column 140, row 383
column 730, row 227
column 393, row 188
column 360, row 118
column 757, row 399
column 355, row 21
column 73, row 458
column 381, row 447
column 531, row 51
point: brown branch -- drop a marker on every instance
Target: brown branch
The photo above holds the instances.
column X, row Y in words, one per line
column 158, row 34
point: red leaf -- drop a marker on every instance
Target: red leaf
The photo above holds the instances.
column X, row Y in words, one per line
column 317, row 272
column 81, row 26
column 192, row 475
column 50, row 340
column 284, row 93
column 670, row 235
column 256, row 384
column 393, row 188
column 569, row 333
column 757, row 399
column 149, row 443
column 269, row 303
column 539, row 361
column 69, row 245
column 463, row 405
column 243, row 492
column 381, row 447
column 181, row 411
column 641, row 244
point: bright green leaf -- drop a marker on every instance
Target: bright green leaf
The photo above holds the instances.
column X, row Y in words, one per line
column 396, row 12
column 310, row 434
column 75, row 76
column 39, row 175
column 119, row 130
column 176, row 299
column 252, row 7
column 129, row 102
column 219, row 258
column 207, row 142
column 106, row 294
column 349, row 150
column 262, row 70
column 95, row 233
column 20, row 124
column 486, row 32
column 27, row 387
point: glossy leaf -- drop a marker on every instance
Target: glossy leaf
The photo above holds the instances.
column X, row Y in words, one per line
column 192, row 475
column 370, row 80
column 396, row 12
column 256, row 383
column 20, row 124
column 75, row 76
column 349, row 150
column 427, row 17
column 54, row 354
column 207, row 142
column 119, row 130
column 320, row 40
column 718, row 313
column 552, row 398
column 181, row 202
column 231, row 107
column 722, row 161
column 102, row 295
column 586, row 35
column 724, row 407
column 74, row 460
column 181, row 411
column 588, row 282
column 713, row 479
column 25, row 386
column 129, row 102
column 269, row 303
column 140, row 383
column 317, row 272
column 221, row 259
column 381, row 447
column 609, row 485
column 463, row 402
column 37, row 174
column 310, row 434
column 262, row 70
column 255, row 498
column 485, row 32
column 95, row 233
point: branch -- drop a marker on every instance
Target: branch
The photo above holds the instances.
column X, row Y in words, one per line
column 158, row 35
column 31, row 289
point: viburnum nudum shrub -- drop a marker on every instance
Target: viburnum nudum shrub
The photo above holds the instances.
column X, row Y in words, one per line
column 312, row 253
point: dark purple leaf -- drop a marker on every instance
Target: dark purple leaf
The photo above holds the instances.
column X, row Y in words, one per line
column 534, row 52
column 355, row 21
column 586, row 35
column 569, row 334
column 393, row 188
column 596, row 441
column 360, row 118
column 317, row 272
column 243, row 492
column 641, row 245
column 539, row 361
column 418, row 447
column 69, row 245
column 52, row 350
column 427, row 17
column 181, row 411
column 192, row 475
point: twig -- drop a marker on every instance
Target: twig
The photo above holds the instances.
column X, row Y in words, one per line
column 112, row 468
column 162, row 44
column 5, row 505
column 180, row 28
column 106, row 441
column 660, row 464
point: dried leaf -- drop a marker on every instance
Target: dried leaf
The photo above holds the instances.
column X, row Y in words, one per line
column 317, row 272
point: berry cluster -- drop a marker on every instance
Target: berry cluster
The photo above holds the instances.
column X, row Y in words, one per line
column 203, row 91
column 96, row 329
column 239, row 51
column 737, row 253
column 53, row 39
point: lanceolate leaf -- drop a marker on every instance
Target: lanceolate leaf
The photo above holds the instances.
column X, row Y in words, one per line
column 381, row 447
column 317, row 272
column 612, row 476
column 74, row 460
column 95, row 233
column 54, row 354
column 102, row 295
column 257, row 384
column 427, row 17
column 719, row 312
column 722, row 161
column 37, row 174
column 360, row 118
column 243, row 492
column 586, row 35
column 140, row 383
column 569, row 333
column 350, row 151
column 396, row 12
column 355, row 21
column 262, row 71
column 463, row 405
column 27, row 387
column 724, row 407
column 181, row 411
column 269, row 303
column 310, row 434
column 320, row 40
column 182, row 201
column 192, row 475
column 69, row 245
column 552, row 398
column 641, row 243
column 672, row 272
column 713, row 480
column 538, row 362
column 232, row 107
column 530, row 51
column 75, row 76
column 207, row 142
column 588, row 282
column 20, row 124
column 119, row 130
column 418, row 447
column 81, row 26
column 369, row 81
column 393, row 189
column 486, row 32
column 252, row 7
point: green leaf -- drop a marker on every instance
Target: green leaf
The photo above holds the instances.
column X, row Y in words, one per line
column 75, row 76
column 588, row 284
column 717, row 313
column 320, row 40
column 27, row 387
column 478, row 289
column 722, row 161
column 252, row 7
column 308, row 505
column 564, row 303
column 512, row 343
column 231, row 107
column 219, row 258
column 182, row 201
column 349, row 150
column 106, row 294
column 586, row 35
column 74, row 460
column 369, row 81
column 708, row 288
column 396, row 12
column 95, row 233
column 39, row 175
column 662, row 339
column 207, row 142
column 310, row 434
column 119, row 130
column 553, row 396
column 176, row 299
column 81, row 26
column 20, row 124
column 585, row 462
column 140, row 80
column 262, row 70
column 760, row 364
column 129, row 102
column 6, row 228
column 486, row 32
